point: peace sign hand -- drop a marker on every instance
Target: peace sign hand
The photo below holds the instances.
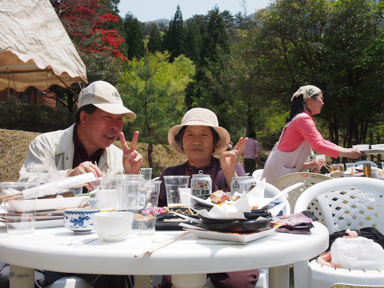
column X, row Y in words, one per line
column 229, row 159
column 132, row 160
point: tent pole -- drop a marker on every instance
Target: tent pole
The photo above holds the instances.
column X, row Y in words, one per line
column 66, row 85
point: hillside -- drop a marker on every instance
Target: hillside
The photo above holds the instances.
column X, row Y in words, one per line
column 14, row 149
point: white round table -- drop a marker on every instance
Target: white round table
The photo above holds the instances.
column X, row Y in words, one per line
column 186, row 260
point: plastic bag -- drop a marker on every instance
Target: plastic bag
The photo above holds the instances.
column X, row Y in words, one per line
column 357, row 253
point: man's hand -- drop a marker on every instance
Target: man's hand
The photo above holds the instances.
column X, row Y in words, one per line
column 83, row 168
column 229, row 159
column 132, row 160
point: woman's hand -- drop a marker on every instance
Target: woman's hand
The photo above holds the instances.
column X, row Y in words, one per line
column 132, row 160
column 315, row 164
column 350, row 153
column 229, row 159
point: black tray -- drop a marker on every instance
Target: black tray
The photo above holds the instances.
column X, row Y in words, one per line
column 249, row 216
column 170, row 225
column 239, row 226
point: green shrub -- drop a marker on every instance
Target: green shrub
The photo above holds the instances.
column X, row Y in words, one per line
column 29, row 117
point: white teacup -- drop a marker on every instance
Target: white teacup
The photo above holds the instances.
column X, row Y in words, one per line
column 113, row 226
column 374, row 172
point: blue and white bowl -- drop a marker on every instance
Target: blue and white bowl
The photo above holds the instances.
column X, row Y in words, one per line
column 79, row 220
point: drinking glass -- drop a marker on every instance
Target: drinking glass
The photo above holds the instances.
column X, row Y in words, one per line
column 367, row 169
column 141, row 198
column 321, row 157
column 172, row 188
column 119, row 192
column 147, row 173
column 106, row 193
column 20, row 210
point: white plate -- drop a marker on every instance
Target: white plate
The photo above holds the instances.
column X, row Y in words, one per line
column 47, row 204
column 232, row 237
column 49, row 223
column 372, row 151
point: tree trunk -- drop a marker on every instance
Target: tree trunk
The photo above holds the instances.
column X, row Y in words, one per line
column 150, row 150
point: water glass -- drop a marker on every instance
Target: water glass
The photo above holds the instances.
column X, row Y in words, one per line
column 172, row 189
column 20, row 210
column 106, row 193
column 147, row 173
column 350, row 167
column 119, row 192
column 141, row 198
column 337, row 167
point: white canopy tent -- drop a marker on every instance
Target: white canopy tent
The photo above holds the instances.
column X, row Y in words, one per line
column 35, row 49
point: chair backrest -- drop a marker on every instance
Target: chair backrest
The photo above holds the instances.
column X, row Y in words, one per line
column 257, row 174
column 309, row 179
column 347, row 203
column 373, row 164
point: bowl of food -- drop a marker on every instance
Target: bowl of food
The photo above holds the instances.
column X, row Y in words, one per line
column 336, row 174
column 113, row 226
column 79, row 220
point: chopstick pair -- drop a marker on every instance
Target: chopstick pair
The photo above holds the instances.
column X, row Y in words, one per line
column 327, row 167
column 163, row 244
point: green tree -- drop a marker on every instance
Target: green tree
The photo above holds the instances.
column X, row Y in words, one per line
column 154, row 42
column 134, row 37
column 201, row 92
column 194, row 42
column 154, row 89
column 174, row 36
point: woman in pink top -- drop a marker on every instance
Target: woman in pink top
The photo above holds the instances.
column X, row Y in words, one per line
column 300, row 135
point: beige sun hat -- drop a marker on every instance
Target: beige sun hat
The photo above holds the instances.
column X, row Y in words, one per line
column 105, row 97
column 200, row 117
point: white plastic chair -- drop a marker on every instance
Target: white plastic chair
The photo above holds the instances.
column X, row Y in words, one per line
column 347, row 203
column 373, row 164
column 257, row 174
column 309, row 179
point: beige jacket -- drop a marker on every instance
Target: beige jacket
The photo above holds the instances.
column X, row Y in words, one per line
column 50, row 156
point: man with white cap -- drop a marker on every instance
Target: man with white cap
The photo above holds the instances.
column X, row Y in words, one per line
column 86, row 146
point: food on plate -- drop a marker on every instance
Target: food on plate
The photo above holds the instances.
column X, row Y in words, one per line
column 219, row 197
column 254, row 207
column 144, row 218
column 381, row 173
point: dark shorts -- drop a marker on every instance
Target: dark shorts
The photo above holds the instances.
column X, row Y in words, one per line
column 249, row 165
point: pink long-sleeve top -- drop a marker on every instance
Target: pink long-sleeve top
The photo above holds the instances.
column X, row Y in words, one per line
column 304, row 128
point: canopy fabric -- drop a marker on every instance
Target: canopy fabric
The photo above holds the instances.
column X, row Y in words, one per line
column 35, row 49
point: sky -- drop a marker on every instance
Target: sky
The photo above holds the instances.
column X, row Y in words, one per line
column 149, row 10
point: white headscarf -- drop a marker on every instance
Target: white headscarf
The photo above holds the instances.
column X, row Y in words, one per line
column 307, row 91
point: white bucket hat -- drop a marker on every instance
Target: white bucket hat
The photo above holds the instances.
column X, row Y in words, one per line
column 200, row 117
column 105, row 97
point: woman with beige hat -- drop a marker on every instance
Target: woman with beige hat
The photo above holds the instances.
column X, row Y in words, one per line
column 199, row 137
column 300, row 135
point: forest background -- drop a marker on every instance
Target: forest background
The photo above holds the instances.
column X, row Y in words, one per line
column 243, row 67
